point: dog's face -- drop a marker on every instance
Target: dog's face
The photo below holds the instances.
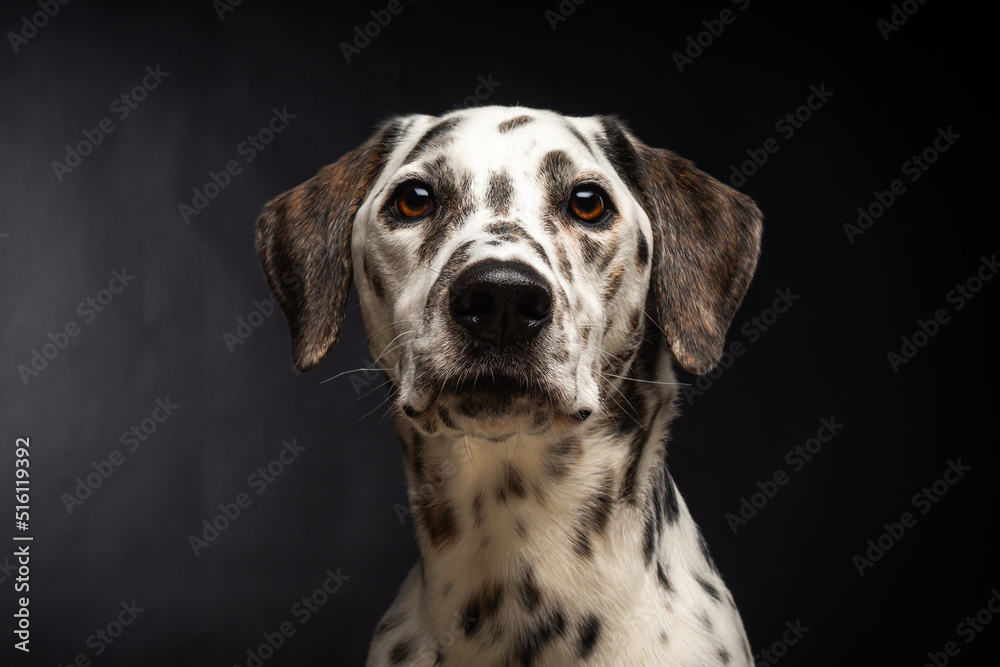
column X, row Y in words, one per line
column 508, row 262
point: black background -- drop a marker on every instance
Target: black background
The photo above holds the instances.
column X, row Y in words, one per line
column 338, row 505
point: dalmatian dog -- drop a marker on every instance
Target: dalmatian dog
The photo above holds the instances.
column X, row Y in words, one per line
column 527, row 280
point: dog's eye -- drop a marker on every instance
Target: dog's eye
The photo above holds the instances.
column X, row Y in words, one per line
column 413, row 200
column 587, row 203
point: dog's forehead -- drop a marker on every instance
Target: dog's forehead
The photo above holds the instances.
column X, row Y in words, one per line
column 513, row 139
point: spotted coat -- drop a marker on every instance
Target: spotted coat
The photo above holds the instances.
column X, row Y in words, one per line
column 549, row 528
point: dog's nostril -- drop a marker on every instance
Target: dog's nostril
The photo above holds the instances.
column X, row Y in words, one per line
column 535, row 304
column 502, row 302
column 472, row 302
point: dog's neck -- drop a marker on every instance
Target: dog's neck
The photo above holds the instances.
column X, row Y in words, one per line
column 504, row 526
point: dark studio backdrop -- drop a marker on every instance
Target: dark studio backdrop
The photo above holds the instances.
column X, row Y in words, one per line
column 840, row 463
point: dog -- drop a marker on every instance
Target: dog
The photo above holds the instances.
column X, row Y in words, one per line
column 527, row 280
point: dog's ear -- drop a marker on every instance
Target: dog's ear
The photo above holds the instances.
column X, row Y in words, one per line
column 706, row 241
column 304, row 243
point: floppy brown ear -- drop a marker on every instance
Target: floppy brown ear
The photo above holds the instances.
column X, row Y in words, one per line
column 706, row 241
column 304, row 243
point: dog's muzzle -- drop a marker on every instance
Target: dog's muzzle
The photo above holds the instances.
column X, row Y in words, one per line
column 502, row 302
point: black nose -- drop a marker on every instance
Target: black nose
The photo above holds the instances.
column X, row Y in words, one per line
column 502, row 302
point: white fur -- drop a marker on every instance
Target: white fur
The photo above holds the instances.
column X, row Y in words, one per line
column 634, row 608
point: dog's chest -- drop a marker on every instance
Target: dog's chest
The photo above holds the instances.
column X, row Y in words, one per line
column 536, row 573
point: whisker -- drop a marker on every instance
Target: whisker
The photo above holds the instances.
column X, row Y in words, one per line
column 353, row 370
column 622, row 377
column 468, row 450
column 387, row 326
column 375, row 388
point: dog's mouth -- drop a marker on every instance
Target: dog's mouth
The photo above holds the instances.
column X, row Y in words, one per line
column 491, row 406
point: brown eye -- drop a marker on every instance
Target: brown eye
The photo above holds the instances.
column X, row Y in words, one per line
column 413, row 200
column 587, row 203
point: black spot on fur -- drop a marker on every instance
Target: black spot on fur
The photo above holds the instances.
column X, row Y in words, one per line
column 620, row 153
column 642, row 253
column 531, row 597
column 446, row 418
column 506, row 230
column 482, row 607
column 388, row 623
column 514, row 123
column 595, row 516
column 593, row 251
column 414, row 455
column 651, row 534
column 632, row 417
column 590, row 632
column 511, row 482
column 582, row 139
column 560, row 457
column 477, row 509
column 499, row 192
column 610, row 250
column 613, row 283
column 454, row 201
column 437, row 517
column 565, row 266
column 628, row 410
column 470, row 618
column 661, row 576
column 635, row 321
column 705, row 621
column 557, row 169
column 637, row 444
column 540, row 251
column 547, row 629
column 435, row 136
column 710, row 589
column 402, row 651
column 724, row 656
column 671, row 511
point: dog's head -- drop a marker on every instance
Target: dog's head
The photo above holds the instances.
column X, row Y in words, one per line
column 505, row 259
